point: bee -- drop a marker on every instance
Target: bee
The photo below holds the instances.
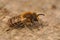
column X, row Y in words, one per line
column 24, row 19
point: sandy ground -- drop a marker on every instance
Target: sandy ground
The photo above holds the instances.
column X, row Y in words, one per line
column 51, row 20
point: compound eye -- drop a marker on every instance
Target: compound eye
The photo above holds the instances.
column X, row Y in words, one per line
column 35, row 19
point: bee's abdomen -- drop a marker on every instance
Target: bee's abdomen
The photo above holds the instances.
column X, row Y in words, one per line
column 14, row 21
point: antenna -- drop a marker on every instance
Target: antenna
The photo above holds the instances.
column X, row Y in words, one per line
column 40, row 14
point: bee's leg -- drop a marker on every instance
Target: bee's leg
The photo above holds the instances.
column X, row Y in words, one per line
column 30, row 27
column 19, row 25
column 7, row 29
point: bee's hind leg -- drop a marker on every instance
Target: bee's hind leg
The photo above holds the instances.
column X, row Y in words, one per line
column 30, row 27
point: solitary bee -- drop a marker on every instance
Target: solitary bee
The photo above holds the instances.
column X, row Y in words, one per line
column 24, row 19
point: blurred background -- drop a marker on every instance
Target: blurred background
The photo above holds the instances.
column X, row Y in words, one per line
column 51, row 21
